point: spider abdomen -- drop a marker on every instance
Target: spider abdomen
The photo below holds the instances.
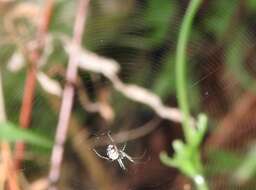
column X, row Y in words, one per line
column 112, row 153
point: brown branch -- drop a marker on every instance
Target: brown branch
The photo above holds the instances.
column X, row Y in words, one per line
column 44, row 25
column 25, row 115
column 101, row 106
column 90, row 61
column 67, row 97
column 12, row 179
column 9, row 174
column 30, row 83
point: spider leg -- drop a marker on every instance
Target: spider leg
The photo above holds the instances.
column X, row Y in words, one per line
column 128, row 157
column 109, row 136
column 124, row 146
column 99, row 155
column 141, row 156
column 121, row 164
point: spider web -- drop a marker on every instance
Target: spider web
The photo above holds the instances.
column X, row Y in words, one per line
column 142, row 37
column 218, row 77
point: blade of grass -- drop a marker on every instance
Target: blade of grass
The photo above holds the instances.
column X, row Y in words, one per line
column 10, row 132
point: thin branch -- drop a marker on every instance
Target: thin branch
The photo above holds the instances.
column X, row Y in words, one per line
column 67, row 98
column 109, row 68
column 52, row 86
column 101, row 106
column 25, row 113
column 148, row 98
column 12, row 179
column 30, row 83
column 6, row 158
column 90, row 61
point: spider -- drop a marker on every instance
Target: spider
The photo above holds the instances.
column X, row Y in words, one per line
column 114, row 153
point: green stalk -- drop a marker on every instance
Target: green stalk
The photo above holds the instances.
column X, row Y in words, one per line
column 200, row 183
column 181, row 85
column 181, row 80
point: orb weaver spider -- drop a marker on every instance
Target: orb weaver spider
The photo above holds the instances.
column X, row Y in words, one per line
column 115, row 154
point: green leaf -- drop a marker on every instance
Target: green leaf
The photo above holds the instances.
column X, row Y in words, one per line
column 165, row 159
column 178, row 146
column 10, row 132
column 201, row 128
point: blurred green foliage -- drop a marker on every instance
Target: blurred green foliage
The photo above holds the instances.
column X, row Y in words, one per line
column 222, row 162
column 236, row 56
column 246, row 170
column 142, row 36
column 186, row 156
column 13, row 133
column 251, row 4
column 217, row 19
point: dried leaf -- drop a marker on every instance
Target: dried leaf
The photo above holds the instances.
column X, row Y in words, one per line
column 16, row 62
column 49, row 85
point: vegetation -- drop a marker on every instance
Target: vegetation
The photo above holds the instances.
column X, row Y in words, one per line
column 153, row 73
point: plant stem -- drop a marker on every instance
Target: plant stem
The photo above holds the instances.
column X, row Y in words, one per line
column 11, row 181
column 26, row 111
column 181, row 80
column 68, row 95
column 200, row 183
column 30, row 83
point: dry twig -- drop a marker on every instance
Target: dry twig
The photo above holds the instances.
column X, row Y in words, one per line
column 30, row 84
column 68, row 94
column 90, row 61
column 109, row 68
column 8, row 170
